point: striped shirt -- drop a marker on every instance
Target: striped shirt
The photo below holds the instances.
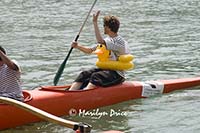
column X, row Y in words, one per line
column 118, row 46
column 10, row 85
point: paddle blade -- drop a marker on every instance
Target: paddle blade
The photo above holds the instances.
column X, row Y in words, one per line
column 59, row 73
column 61, row 68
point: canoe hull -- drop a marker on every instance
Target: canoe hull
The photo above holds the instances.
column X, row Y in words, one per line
column 62, row 102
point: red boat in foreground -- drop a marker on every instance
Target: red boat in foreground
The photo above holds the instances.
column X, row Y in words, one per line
column 57, row 101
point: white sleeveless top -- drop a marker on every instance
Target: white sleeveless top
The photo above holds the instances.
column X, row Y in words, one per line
column 10, row 85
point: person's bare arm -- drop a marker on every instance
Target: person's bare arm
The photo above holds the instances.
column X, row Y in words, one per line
column 96, row 28
column 81, row 48
column 8, row 61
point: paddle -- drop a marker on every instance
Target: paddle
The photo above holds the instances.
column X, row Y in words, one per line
column 62, row 66
column 46, row 116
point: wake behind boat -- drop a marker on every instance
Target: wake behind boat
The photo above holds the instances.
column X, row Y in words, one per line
column 57, row 101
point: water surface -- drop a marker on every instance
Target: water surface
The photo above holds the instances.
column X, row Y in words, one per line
column 163, row 35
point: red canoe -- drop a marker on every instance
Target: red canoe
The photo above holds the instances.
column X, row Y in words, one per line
column 60, row 102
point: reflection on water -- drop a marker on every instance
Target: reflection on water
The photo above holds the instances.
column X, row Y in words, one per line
column 163, row 35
